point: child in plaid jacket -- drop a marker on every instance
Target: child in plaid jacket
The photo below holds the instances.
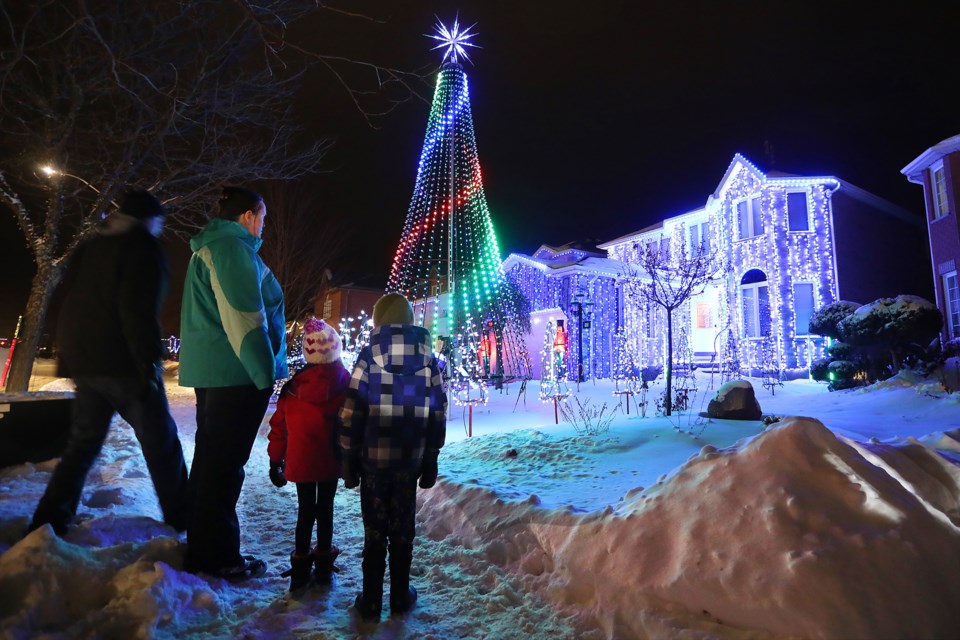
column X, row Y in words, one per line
column 392, row 426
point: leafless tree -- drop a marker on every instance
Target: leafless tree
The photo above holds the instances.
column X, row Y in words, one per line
column 177, row 97
column 668, row 281
column 301, row 242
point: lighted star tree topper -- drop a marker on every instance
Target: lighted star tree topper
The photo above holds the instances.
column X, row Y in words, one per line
column 448, row 261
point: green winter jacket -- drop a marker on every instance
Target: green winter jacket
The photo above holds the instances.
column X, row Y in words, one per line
column 232, row 329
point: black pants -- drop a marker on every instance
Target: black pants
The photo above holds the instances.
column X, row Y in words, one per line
column 145, row 407
column 228, row 419
column 314, row 504
column 388, row 504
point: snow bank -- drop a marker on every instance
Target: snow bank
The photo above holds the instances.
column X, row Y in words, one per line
column 793, row 533
column 127, row 590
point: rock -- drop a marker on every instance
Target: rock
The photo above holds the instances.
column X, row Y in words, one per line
column 735, row 401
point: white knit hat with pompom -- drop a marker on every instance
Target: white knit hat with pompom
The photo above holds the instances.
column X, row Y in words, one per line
column 321, row 342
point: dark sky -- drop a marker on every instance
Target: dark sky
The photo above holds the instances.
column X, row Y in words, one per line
column 595, row 119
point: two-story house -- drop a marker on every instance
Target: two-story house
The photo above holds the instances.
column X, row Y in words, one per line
column 938, row 170
column 788, row 245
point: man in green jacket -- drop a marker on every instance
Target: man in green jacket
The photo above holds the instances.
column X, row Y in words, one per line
column 232, row 350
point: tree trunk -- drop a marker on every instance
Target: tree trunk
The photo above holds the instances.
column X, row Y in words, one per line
column 41, row 290
column 668, row 398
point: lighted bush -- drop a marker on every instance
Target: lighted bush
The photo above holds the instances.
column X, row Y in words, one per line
column 820, row 370
column 891, row 331
column 842, row 374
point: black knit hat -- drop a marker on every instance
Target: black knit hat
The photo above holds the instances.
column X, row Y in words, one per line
column 141, row 205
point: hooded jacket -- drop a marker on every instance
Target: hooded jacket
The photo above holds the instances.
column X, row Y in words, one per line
column 303, row 431
column 395, row 407
column 115, row 283
column 231, row 324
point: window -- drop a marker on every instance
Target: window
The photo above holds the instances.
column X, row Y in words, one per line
column 803, row 308
column 797, row 215
column 748, row 217
column 327, row 306
column 704, row 317
column 664, row 249
column 951, row 298
column 699, row 238
column 755, row 304
column 939, row 182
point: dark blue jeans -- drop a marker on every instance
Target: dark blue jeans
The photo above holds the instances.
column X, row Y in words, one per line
column 144, row 406
column 228, row 419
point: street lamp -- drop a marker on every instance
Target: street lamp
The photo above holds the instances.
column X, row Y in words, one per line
column 51, row 171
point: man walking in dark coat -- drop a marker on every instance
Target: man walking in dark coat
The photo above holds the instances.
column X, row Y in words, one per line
column 108, row 337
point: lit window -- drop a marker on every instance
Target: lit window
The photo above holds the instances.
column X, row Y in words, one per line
column 951, row 298
column 797, row 215
column 748, row 218
column 803, row 308
column 699, row 238
column 755, row 304
column 327, row 307
column 940, row 205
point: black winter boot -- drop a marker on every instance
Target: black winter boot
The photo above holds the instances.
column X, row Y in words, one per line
column 369, row 604
column 323, row 564
column 402, row 595
column 299, row 571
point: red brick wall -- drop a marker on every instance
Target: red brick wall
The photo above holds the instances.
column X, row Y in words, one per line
column 945, row 231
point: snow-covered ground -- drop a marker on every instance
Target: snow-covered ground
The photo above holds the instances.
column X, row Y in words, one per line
column 841, row 524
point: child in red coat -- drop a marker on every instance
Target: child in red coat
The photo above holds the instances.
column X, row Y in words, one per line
column 302, row 447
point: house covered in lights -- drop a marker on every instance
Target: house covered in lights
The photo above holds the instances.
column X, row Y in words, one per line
column 789, row 245
column 575, row 286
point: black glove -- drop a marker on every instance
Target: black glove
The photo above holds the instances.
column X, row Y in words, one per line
column 428, row 469
column 276, row 474
column 350, row 472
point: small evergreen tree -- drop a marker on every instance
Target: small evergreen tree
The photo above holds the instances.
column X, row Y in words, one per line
column 825, row 320
column 901, row 326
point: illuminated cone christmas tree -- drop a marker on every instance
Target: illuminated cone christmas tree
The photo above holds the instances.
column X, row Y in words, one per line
column 448, row 261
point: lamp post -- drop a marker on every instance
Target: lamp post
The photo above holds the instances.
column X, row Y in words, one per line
column 578, row 306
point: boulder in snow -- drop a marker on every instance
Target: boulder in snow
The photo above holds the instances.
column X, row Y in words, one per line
column 735, row 400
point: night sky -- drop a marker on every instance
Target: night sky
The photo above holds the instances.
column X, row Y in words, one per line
column 595, row 119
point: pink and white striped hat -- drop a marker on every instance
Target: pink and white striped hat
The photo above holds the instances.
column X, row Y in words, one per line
column 321, row 342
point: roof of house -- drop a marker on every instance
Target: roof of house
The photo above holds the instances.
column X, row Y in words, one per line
column 914, row 170
column 590, row 265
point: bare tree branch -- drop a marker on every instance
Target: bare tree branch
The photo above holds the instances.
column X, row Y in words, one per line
column 301, row 241
column 669, row 281
column 180, row 97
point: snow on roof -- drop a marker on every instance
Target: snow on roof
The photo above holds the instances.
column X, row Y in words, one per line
column 595, row 265
column 914, row 170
